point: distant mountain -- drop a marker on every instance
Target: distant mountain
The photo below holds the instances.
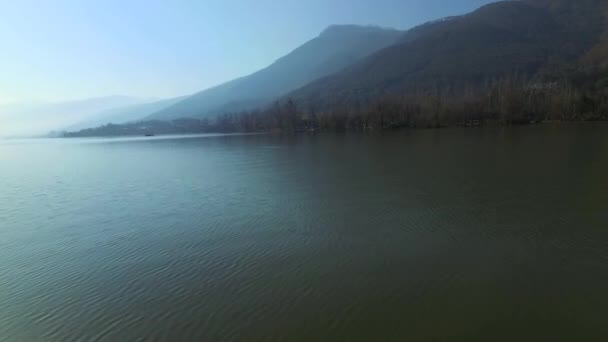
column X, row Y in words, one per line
column 335, row 49
column 124, row 114
column 40, row 117
column 497, row 40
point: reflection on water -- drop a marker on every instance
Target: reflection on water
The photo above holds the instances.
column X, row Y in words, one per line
column 473, row 235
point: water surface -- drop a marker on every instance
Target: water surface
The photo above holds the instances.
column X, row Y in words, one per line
column 439, row 235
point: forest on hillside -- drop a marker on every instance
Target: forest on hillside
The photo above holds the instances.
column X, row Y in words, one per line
column 512, row 100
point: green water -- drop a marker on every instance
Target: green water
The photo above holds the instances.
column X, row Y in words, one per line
column 434, row 235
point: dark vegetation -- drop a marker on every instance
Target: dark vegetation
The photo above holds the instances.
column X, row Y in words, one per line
column 508, row 101
column 512, row 62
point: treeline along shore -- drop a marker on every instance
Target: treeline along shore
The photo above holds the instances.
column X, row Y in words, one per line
column 507, row 101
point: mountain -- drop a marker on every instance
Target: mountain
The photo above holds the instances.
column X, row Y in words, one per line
column 510, row 62
column 497, row 40
column 333, row 50
column 124, row 114
column 41, row 117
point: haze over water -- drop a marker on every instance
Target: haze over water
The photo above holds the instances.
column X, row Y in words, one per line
column 456, row 234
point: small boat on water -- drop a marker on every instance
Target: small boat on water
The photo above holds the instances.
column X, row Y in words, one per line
column 149, row 135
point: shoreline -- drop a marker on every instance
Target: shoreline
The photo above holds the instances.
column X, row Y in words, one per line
column 480, row 125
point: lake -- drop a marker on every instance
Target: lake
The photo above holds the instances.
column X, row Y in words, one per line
column 489, row 234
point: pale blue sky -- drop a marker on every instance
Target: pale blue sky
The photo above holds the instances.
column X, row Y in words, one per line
column 71, row 49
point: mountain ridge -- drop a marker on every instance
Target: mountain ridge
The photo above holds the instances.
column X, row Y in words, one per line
column 334, row 49
column 456, row 49
column 509, row 62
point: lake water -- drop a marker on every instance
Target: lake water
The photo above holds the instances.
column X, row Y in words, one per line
column 433, row 235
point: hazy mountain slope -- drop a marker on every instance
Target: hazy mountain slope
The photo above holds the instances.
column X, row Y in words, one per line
column 126, row 114
column 505, row 38
column 336, row 48
column 42, row 117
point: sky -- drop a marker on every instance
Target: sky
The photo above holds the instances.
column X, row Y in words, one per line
column 59, row 50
